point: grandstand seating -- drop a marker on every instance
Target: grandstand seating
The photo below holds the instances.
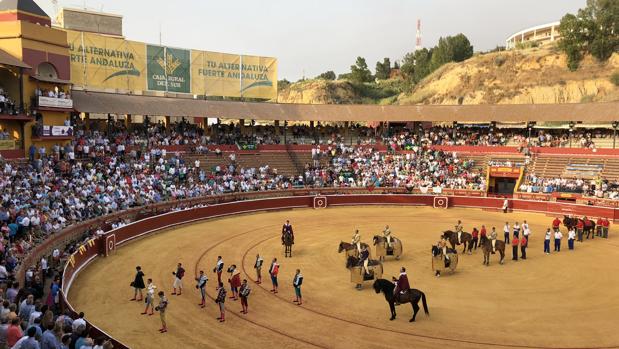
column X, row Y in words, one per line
column 548, row 166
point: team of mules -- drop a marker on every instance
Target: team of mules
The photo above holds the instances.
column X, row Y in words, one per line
column 441, row 264
column 588, row 226
column 357, row 272
column 412, row 296
column 288, row 241
column 382, row 248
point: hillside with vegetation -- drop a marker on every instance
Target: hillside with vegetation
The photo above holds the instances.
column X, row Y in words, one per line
column 582, row 67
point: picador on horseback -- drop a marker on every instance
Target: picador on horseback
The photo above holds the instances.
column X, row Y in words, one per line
column 287, row 229
column 387, row 235
column 401, row 286
column 364, row 259
column 356, row 240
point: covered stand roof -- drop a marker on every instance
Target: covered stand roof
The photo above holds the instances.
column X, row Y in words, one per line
column 103, row 103
column 7, row 59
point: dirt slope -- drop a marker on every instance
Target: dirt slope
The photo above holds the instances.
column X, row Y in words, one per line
column 517, row 77
column 537, row 75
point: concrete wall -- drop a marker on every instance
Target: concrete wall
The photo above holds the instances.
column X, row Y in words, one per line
column 91, row 22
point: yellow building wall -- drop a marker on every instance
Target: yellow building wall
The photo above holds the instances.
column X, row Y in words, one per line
column 49, row 36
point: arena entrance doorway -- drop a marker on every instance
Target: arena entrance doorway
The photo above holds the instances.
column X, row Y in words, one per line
column 503, row 180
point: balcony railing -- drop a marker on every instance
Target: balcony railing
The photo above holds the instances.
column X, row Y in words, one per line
column 53, row 102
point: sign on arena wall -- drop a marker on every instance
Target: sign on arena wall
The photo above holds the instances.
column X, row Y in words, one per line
column 53, row 102
column 441, row 202
column 168, row 69
column 320, row 202
column 110, row 244
column 105, row 62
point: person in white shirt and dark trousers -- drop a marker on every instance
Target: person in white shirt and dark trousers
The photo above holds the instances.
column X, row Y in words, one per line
column 558, row 237
column 571, row 236
column 547, row 238
column 506, row 233
column 297, row 282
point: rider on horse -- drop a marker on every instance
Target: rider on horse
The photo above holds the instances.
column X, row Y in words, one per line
column 287, row 229
column 493, row 239
column 387, row 235
column 356, row 240
column 401, row 285
column 442, row 245
column 459, row 231
column 364, row 259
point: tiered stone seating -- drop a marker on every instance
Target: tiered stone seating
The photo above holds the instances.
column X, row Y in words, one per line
column 548, row 166
column 611, row 169
column 276, row 160
column 481, row 162
column 585, row 168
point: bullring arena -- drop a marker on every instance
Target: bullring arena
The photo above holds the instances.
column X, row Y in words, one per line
column 562, row 300
column 121, row 160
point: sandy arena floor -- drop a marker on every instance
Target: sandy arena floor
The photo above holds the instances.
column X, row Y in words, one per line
column 567, row 299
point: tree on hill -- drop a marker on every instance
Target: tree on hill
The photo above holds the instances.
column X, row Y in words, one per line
column 383, row 70
column 594, row 29
column 416, row 65
column 328, row 75
column 359, row 72
column 282, row 84
column 451, row 49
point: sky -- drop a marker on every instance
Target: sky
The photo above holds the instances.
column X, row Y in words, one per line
column 311, row 37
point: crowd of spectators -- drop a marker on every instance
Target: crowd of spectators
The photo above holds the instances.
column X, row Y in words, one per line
column 52, row 93
column 403, row 139
column 28, row 321
column 7, row 104
column 482, row 136
column 594, row 187
column 421, row 169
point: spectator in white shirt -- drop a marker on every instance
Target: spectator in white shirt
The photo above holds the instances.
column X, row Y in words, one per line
column 79, row 322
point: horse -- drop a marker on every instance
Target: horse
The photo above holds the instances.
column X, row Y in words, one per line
column 465, row 239
column 357, row 272
column 351, row 250
column 440, row 264
column 380, row 242
column 288, row 241
column 589, row 228
column 486, row 245
column 412, row 296
column 570, row 222
column 588, row 225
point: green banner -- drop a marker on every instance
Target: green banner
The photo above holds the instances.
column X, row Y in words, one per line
column 248, row 146
column 168, row 69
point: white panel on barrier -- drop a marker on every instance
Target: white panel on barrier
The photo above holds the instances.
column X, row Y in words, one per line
column 110, row 244
column 320, row 202
column 441, row 202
